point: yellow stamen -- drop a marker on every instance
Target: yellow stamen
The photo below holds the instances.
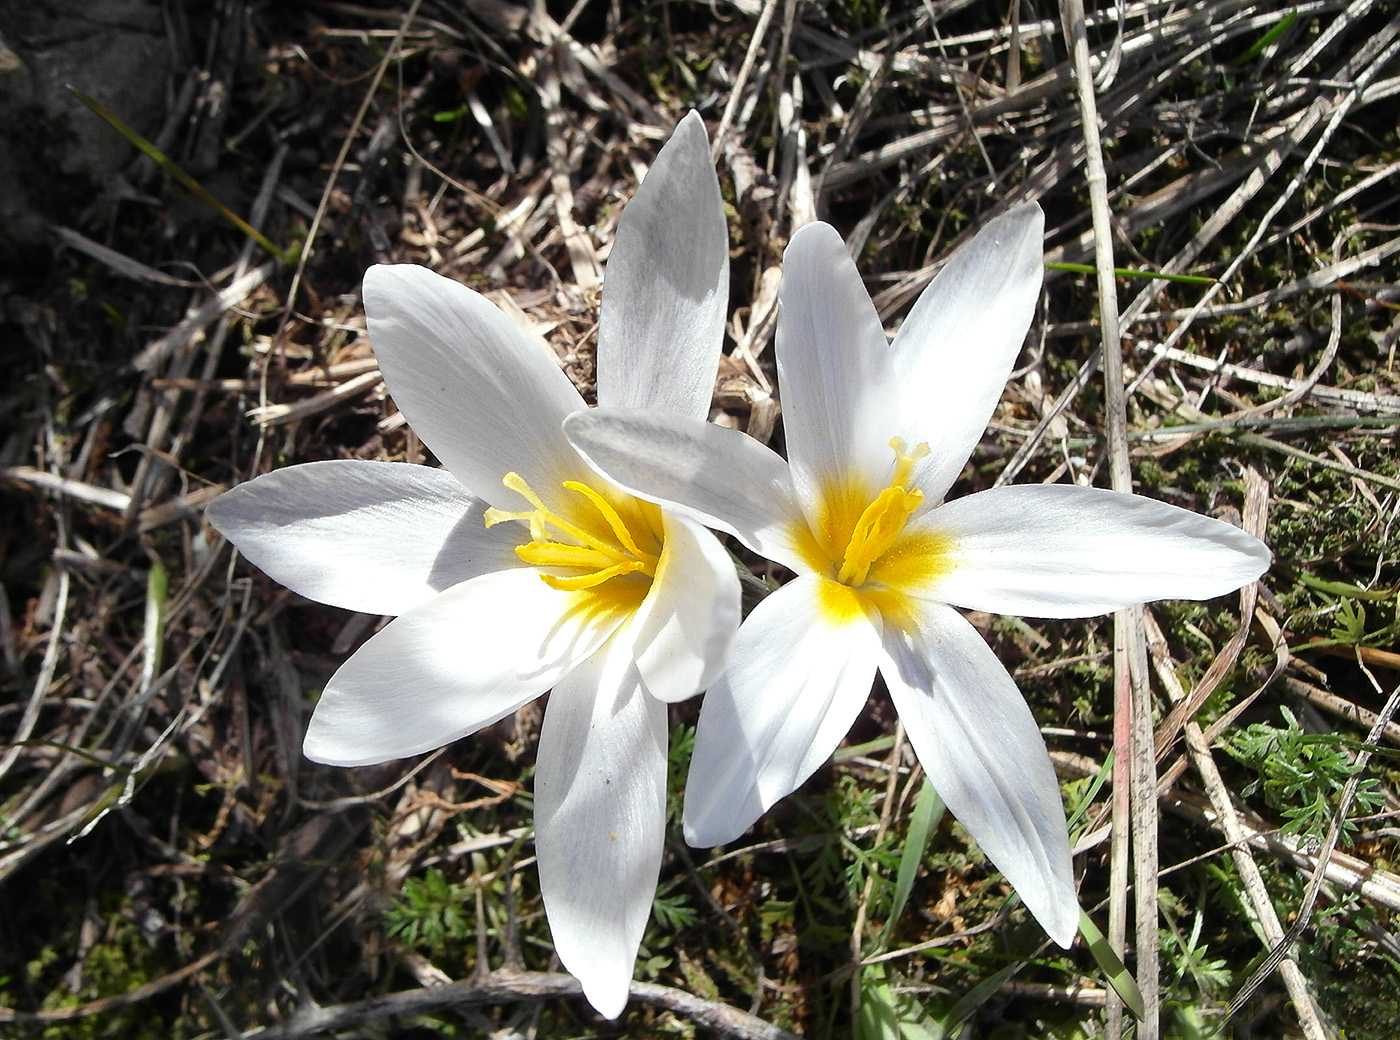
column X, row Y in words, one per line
column 590, row 581
column 582, row 549
column 609, row 514
column 561, row 554
column 883, row 520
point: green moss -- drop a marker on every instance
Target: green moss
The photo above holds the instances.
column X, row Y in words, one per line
column 119, row 961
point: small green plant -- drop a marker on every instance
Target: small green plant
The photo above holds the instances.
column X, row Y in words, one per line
column 431, row 911
column 671, row 909
column 678, row 753
column 888, row 1012
column 1184, row 946
column 1350, row 627
column 1301, row 774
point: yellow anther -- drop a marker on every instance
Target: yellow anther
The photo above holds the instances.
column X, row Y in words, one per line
column 561, row 554
column 573, row 546
column 610, row 515
column 590, row 581
column 884, row 519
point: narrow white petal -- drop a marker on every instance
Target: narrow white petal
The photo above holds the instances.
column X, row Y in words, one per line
column 600, row 815
column 954, row 352
column 379, row 537
column 720, row 477
column 795, row 682
column 481, row 394
column 840, row 403
column 682, row 633
column 977, row 741
column 667, row 284
column 469, row 657
column 1060, row 551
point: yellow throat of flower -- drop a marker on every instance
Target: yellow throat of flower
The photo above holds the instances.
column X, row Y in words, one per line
column 598, row 543
column 862, row 546
column 883, row 520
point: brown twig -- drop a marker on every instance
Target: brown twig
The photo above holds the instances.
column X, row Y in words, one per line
column 508, row 987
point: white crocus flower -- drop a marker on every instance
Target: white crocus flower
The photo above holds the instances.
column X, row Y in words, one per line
column 516, row 569
column 876, row 434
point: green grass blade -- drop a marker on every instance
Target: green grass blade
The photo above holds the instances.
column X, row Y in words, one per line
column 1341, row 588
column 1257, row 48
column 878, row 1018
column 69, row 749
column 1128, row 272
column 928, row 810
column 169, row 166
column 1105, row 771
column 1118, row 976
column 977, row 996
column 153, row 634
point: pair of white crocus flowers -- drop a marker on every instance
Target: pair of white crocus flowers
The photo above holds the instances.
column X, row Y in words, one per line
column 564, row 549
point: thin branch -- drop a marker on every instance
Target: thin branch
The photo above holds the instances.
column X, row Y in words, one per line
column 503, row 987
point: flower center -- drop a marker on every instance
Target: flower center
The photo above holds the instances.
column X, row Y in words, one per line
column 601, row 546
column 883, row 520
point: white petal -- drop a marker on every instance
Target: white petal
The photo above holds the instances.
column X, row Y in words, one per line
column 469, row 657
column 839, row 398
column 796, row 681
column 721, row 477
column 682, row 633
column 380, row 537
column 954, row 352
column 600, row 815
column 667, row 284
column 481, row 394
column 1060, row 551
column 977, row 741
